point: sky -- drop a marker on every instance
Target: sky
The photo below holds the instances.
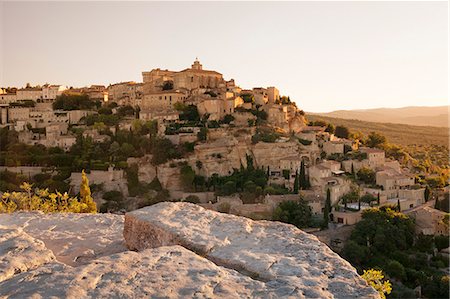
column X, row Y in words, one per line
column 325, row 55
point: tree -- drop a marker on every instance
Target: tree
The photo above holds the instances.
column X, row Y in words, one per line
column 375, row 140
column 398, row 205
column 366, row 175
column 187, row 177
column 368, row 198
column 375, row 279
column 296, row 183
column 396, row 270
column 88, row 204
column 427, row 193
column 304, row 183
column 297, row 213
column 327, row 210
column 228, row 118
column 342, row 132
column 168, row 85
column 330, row 128
column 201, row 136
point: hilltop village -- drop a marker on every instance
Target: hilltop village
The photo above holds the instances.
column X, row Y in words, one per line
column 191, row 135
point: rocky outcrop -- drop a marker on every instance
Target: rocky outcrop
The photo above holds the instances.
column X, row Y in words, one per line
column 73, row 239
column 287, row 260
column 19, row 252
column 185, row 251
column 165, row 272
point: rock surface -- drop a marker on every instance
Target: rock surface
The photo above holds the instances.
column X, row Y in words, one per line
column 287, row 260
column 73, row 238
column 146, row 274
column 221, row 256
column 20, row 252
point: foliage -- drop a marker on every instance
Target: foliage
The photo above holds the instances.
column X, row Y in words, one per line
column 239, row 180
column 125, row 111
column 296, row 183
column 304, row 141
column 228, row 118
column 265, row 135
column 375, row 139
column 114, row 202
column 368, row 198
column 187, row 176
column 41, row 200
column 297, row 213
column 73, row 102
column 248, row 98
column 202, row 135
column 342, row 132
column 304, row 182
column 366, row 175
column 167, row 85
column 327, row 210
column 187, row 112
column 192, row 199
column 87, row 202
column 375, row 279
column 384, row 240
column 163, row 150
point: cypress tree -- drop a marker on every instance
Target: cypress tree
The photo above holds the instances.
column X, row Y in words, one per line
column 296, row 183
column 359, row 204
column 398, row 205
column 304, row 184
column 87, row 201
column 378, row 198
column 327, row 210
column 427, row 193
column 353, row 169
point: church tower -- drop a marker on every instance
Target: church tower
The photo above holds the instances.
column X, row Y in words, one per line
column 196, row 65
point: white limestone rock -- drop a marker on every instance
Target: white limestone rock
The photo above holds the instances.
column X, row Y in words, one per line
column 289, row 261
column 165, row 272
column 74, row 239
column 20, row 252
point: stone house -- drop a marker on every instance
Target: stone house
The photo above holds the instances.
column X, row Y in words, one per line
column 376, row 157
column 126, row 93
column 393, row 181
column 333, row 147
column 430, row 221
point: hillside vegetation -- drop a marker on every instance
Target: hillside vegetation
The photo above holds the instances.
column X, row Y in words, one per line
column 416, row 116
column 395, row 133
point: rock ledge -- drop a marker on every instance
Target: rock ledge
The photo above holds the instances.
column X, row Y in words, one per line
column 290, row 262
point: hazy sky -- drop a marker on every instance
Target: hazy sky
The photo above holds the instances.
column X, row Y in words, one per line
column 324, row 55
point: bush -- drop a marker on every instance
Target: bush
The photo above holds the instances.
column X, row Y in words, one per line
column 342, row 132
column 41, row 200
column 192, row 199
column 396, row 270
column 293, row 212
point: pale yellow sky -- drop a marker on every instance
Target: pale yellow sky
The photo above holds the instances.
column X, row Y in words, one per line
column 324, row 55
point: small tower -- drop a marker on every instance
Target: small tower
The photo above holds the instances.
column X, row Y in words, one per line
column 197, row 65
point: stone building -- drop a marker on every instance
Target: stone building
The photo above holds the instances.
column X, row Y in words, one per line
column 393, row 181
column 188, row 79
column 126, row 93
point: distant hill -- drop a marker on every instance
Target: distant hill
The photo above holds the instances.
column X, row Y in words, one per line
column 395, row 133
column 416, row 116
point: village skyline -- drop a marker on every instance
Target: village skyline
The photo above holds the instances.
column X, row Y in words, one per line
column 322, row 60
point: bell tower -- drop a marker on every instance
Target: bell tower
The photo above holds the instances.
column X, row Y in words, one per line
column 196, row 65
